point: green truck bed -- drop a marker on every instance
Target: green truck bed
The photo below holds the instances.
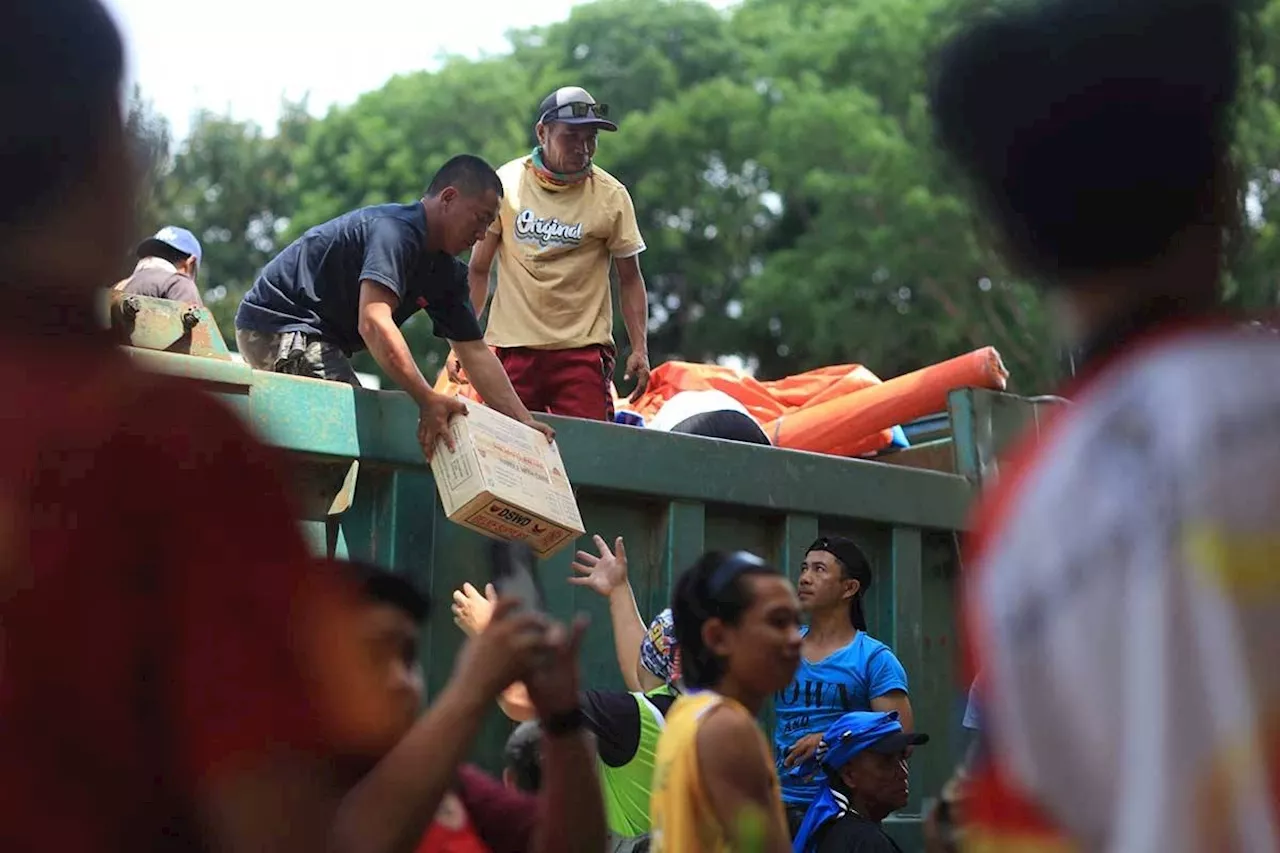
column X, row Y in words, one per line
column 670, row 496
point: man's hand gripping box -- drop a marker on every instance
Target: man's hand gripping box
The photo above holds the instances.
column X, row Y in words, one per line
column 503, row 479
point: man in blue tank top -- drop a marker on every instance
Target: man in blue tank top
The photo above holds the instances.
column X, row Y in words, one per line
column 842, row 668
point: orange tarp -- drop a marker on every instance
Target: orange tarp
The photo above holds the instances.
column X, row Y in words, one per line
column 764, row 400
column 842, row 410
column 846, row 424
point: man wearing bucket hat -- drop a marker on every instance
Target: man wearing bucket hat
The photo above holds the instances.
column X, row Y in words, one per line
column 563, row 223
column 842, row 667
column 863, row 759
column 167, row 266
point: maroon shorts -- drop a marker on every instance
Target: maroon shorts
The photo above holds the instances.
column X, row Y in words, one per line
column 577, row 383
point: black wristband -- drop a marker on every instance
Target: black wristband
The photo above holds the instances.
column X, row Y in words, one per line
column 564, row 723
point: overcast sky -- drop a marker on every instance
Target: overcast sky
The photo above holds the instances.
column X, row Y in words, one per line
column 244, row 56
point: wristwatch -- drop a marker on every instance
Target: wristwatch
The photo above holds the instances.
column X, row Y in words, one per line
column 563, row 723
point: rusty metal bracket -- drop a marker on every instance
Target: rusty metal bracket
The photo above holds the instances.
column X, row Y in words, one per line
column 165, row 325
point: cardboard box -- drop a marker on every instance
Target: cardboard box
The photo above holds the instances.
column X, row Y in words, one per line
column 504, row 480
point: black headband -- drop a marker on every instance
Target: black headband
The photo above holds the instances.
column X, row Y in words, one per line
column 733, row 565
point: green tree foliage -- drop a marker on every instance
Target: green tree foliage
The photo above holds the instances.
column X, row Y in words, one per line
column 152, row 150
column 234, row 186
column 780, row 159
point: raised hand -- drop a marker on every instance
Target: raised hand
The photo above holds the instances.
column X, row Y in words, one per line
column 604, row 573
column 471, row 610
column 508, row 648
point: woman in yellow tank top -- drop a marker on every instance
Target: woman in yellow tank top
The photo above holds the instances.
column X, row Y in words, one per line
column 737, row 625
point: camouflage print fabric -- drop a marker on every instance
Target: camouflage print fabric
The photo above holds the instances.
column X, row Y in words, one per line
column 296, row 354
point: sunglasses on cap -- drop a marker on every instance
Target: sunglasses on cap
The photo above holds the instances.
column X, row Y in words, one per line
column 577, row 109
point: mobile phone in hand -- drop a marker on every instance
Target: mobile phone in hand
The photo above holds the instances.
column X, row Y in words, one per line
column 514, row 575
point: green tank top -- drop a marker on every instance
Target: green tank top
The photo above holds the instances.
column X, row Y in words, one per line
column 626, row 788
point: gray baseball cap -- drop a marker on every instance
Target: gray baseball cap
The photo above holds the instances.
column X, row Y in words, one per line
column 574, row 105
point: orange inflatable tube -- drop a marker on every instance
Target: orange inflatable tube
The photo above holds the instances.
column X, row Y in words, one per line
column 851, row 424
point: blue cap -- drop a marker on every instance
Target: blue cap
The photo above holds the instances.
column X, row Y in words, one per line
column 174, row 237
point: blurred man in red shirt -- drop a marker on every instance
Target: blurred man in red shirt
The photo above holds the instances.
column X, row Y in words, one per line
column 160, row 675
column 412, row 793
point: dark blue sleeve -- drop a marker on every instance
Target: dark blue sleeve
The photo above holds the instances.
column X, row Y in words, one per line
column 885, row 674
column 391, row 250
column 449, row 307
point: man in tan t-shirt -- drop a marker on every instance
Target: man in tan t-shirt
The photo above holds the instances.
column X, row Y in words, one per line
column 563, row 221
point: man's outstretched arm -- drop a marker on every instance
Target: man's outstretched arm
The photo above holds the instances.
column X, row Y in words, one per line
column 386, row 342
column 388, row 347
column 606, row 574
column 490, row 379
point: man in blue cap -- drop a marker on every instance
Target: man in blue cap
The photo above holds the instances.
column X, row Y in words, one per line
column 167, row 266
column 863, row 760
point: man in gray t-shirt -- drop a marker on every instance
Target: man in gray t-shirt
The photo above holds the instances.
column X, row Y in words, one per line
column 167, row 267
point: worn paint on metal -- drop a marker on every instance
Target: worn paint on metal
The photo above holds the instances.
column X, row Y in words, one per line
column 934, row 455
column 225, row 377
column 327, row 418
column 165, row 325
column 984, row 422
